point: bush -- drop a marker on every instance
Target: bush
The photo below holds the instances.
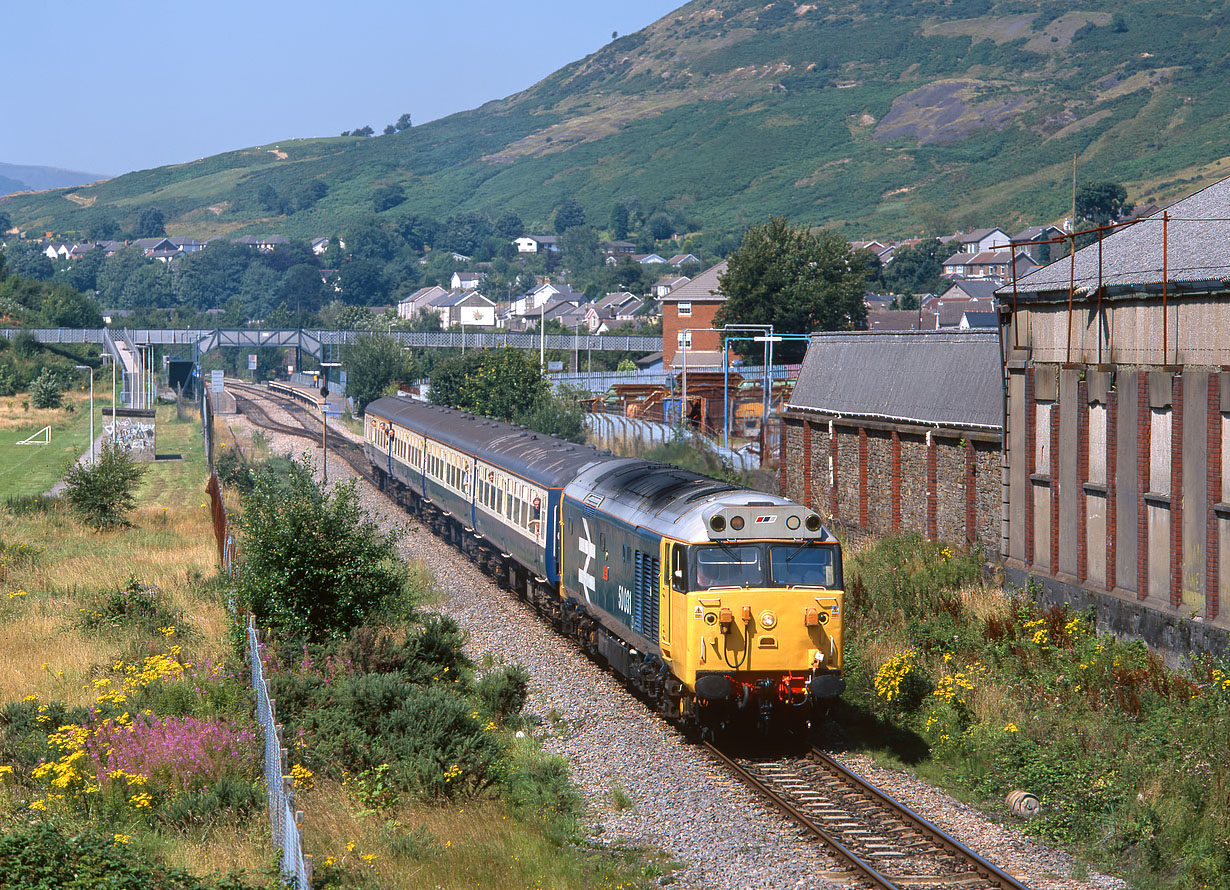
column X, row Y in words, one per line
column 134, row 605
column 45, row 391
column 55, row 854
column 504, row 691
column 101, row 494
column 314, row 564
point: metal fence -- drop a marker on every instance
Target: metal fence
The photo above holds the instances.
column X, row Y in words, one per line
column 285, row 822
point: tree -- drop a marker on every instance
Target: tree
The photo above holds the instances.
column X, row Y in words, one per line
column 509, row 226
column 301, row 288
column 373, row 363
column 1102, row 202
column 45, row 391
column 403, row 122
column 567, row 215
column 497, row 383
column 313, row 562
column 660, row 226
column 103, row 494
column 98, row 225
column 363, row 131
column 82, row 274
column 267, row 197
column 916, row 269
column 389, row 130
column 362, row 282
column 150, row 223
column 26, row 258
column 368, row 240
column 65, row 307
column 464, row 232
column 5, row 222
column 387, row 197
column 795, row 280
column 619, row 221
column 307, row 194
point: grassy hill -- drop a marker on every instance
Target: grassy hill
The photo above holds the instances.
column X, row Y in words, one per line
column 886, row 116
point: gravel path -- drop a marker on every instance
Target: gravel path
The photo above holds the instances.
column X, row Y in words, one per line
column 682, row 803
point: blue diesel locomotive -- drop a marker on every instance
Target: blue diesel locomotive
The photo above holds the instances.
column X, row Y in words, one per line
column 721, row 606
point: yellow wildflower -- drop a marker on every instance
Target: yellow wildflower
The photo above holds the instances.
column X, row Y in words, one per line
column 6, row 770
column 123, row 838
column 350, row 846
column 1011, row 727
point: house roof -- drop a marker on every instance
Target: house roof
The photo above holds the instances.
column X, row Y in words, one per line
column 900, row 320
column 703, row 287
column 698, row 359
column 981, row 318
column 959, row 259
column 944, row 378
column 974, row 289
column 979, row 234
column 1032, row 232
column 1197, row 253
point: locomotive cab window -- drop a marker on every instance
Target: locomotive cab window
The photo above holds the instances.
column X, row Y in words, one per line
column 811, row 565
column 739, row 565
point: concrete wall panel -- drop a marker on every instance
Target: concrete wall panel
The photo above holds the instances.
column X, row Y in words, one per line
column 1125, row 482
column 1069, row 478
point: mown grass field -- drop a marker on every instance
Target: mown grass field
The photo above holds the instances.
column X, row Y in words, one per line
column 33, row 469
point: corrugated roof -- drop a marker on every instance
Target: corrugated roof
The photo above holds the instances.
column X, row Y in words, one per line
column 1197, row 235
column 943, row 378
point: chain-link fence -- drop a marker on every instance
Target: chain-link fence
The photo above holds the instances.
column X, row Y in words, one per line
column 285, row 822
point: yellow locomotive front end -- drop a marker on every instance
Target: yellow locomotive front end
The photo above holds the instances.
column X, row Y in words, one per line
column 756, row 614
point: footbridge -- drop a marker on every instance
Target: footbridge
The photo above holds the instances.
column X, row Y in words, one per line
column 317, row 343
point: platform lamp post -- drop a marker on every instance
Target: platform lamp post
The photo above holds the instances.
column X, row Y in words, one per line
column 91, row 370
column 324, row 419
column 110, row 359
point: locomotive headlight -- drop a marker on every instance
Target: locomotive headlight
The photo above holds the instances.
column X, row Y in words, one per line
column 768, row 620
column 718, row 523
column 792, row 522
column 736, row 522
column 813, row 522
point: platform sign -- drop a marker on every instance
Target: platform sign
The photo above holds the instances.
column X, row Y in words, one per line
column 215, row 381
column 330, row 410
column 251, row 363
column 555, row 366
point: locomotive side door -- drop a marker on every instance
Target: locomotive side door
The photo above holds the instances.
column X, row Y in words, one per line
column 671, row 583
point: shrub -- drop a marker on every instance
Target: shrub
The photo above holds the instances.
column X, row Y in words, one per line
column 56, row 854
column 134, row 605
column 504, row 691
column 101, row 494
column 8, row 381
column 314, row 563
column 45, row 391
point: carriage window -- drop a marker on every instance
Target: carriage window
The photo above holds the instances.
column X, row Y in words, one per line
column 729, row 566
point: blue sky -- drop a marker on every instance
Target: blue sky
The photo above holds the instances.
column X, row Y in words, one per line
column 113, row 87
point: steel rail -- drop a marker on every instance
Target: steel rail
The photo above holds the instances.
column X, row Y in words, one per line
column 984, row 868
column 843, row 852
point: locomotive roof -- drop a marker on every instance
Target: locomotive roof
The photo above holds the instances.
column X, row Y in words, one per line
column 535, row 456
column 661, row 498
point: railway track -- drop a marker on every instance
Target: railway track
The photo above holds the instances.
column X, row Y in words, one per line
column 883, row 844
column 247, row 400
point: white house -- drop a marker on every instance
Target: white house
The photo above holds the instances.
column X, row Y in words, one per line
column 983, row 240
column 664, row 286
column 536, row 243
column 467, row 280
column 466, row 308
column 422, row 298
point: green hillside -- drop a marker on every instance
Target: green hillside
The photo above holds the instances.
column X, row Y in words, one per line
column 889, row 117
